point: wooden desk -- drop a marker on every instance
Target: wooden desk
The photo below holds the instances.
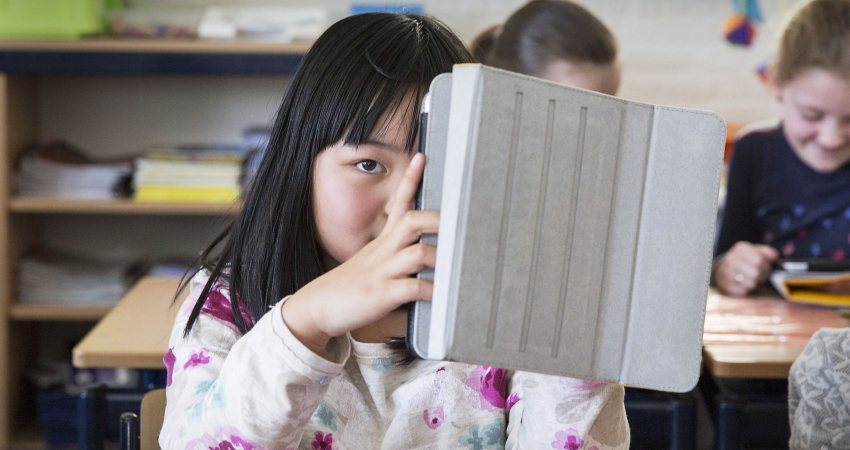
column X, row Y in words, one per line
column 759, row 337
column 135, row 333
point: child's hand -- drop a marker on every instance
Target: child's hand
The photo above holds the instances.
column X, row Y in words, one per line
column 376, row 280
column 744, row 267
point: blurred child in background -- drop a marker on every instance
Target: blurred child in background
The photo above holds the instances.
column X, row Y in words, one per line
column 788, row 193
column 557, row 40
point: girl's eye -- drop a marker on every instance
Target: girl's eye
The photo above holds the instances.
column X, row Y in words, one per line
column 369, row 166
column 811, row 117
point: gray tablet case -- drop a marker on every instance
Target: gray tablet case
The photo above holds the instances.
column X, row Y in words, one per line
column 576, row 230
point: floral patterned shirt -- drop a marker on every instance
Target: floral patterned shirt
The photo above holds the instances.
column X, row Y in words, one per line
column 819, row 392
column 266, row 390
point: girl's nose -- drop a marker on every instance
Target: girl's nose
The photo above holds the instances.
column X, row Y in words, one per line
column 833, row 134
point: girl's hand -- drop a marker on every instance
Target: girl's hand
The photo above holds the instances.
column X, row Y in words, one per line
column 376, row 280
column 744, row 267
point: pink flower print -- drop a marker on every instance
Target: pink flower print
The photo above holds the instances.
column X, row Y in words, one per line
column 223, row 439
column 512, row 400
column 788, row 249
column 223, row 445
column 491, row 383
column 218, row 305
column 434, row 417
column 242, row 443
column 838, row 254
column 197, row 359
column 567, row 440
column 169, row 360
column 323, row 441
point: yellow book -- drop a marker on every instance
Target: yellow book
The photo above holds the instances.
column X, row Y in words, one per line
column 817, row 288
column 211, row 194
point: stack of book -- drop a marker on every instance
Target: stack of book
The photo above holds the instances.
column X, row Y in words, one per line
column 189, row 174
column 254, row 142
column 58, row 170
column 52, row 279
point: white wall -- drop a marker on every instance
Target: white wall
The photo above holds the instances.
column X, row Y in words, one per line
column 672, row 50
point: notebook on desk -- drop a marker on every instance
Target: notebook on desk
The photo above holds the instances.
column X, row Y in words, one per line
column 815, row 281
column 575, row 232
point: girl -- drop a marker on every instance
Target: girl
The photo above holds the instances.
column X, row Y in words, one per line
column 282, row 342
column 557, row 40
column 789, row 187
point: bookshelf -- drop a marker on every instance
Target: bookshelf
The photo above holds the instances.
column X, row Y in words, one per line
column 31, row 73
column 117, row 206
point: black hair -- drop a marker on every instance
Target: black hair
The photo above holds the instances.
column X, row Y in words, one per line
column 359, row 69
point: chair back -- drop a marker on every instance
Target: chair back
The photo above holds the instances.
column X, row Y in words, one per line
column 150, row 422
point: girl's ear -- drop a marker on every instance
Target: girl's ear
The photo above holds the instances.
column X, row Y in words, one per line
column 772, row 84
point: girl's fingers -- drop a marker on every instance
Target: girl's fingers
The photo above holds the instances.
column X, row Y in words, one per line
column 412, row 225
column 412, row 259
column 404, row 196
column 406, row 290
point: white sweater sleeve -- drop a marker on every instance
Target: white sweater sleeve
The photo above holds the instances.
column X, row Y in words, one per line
column 555, row 412
column 253, row 391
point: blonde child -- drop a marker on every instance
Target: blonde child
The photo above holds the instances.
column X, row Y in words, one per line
column 788, row 192
column 282, row 342
column 558, row 40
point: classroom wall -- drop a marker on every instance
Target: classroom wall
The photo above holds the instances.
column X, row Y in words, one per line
column 672, row 50
column 672, row 53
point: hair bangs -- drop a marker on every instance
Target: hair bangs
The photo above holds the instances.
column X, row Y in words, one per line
column 356, row 78
column 397, row 76
column 392, row 100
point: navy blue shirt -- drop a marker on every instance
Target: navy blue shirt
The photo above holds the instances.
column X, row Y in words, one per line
column 774, row 198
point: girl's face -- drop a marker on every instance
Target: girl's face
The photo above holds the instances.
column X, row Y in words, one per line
column 816, row 116
column 604, row 78
column 353, row 186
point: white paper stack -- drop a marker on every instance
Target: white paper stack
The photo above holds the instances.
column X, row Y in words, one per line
column 270, row 23
column 64, row 280
column 59, row 171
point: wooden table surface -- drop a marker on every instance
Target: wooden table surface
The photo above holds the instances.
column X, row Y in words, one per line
column 759, row 337
column 744, row 337
column 135, row 332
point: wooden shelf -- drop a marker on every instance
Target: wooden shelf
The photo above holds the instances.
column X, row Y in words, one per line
column 27, row 67
column 149, row 56
column 57, row 313
column 29, row 436
column 117, row 207
column 116, row 45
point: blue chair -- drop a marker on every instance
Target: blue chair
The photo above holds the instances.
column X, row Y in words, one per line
column 751, row 421
column 98, row 413
column 99, row 409
column 661, row 419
